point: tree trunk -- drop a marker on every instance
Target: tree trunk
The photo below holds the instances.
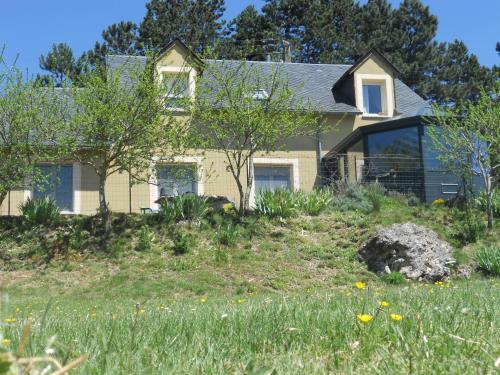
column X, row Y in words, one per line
column 248, row 190
column 489, row 208
column 241, row 210
column 103, row 207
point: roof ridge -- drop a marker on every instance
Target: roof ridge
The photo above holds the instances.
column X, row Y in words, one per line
column 278, row 62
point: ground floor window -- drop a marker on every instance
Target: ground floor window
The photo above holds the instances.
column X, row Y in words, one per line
column 272, row 177
column 174, row 180
column 56, row 183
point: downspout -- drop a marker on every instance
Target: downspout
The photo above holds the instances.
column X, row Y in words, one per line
column 319, row 153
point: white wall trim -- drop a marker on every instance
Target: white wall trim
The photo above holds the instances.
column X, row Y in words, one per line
column 388, row 93
column 153, row 186
column 273, row 161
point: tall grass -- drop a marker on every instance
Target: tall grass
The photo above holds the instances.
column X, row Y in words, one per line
column 40, row 212
column 442, row 330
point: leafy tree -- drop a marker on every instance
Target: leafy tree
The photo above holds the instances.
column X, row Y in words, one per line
column 119, row 39
column 30, row 117
column 123, row 125
column 467, row 138
column 239, row 111
column 60, row 63
column 196, row 22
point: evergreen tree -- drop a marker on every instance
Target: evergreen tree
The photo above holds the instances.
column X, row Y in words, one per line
column 196, row 22
column 247, row 36
column 60, row 63
column 119, row 39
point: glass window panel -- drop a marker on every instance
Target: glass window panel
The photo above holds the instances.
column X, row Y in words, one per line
column 174, row 180
column 176, row 84
column 271, row 178
column 372, row 99
column 56, row 183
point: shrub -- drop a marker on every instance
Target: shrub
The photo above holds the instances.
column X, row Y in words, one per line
column 226, row 234
column 315, row 202
column 488, row 260
column 438, row 202
column 40, row 212
column 467, row 226
column 351, row 196
column 182, row 242
column 393, row 278
column 146, row 237
column 375, row 193
column 413, row 201
column 190, row 207
column 495, row 202
column 276, row 204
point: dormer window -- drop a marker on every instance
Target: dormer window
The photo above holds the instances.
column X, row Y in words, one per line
column 176, row 87
column 372, row 99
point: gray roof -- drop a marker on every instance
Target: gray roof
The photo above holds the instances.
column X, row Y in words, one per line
column 310, row 82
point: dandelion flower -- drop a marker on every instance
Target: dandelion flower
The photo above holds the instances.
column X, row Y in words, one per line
column 396, row 317
column 360, row 285
column 5, row 342
column 203, row 299
column 241, row 300
column 364, row 318
column 383, row 303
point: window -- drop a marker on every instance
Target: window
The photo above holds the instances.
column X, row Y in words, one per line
column 372, row 99
column 174, row 180
column 57, row 183
column 177, row 88
column 271, row 178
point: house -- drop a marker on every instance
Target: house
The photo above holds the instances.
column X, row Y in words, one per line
column 372, row 113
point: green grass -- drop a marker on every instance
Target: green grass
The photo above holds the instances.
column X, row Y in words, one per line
column 443, row 330
column 278, row 296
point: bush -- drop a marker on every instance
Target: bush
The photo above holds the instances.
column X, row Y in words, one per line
column 495, row 202
column 226, row 234
column 182, row 243
column 40, row 212
column 351, row 196
column 488, row 260
column 146, row 237
column 315, row 202
column 190, row 207
column 413, row 201
column 276, row 204
column 467, row 226
column 375, row 193
column 395, row 278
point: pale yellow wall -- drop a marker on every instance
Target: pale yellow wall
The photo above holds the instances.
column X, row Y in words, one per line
column 16, row 199
column 375, row 65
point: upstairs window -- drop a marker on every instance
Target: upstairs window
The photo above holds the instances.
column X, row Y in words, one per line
column 177, row 88
column 372, row 99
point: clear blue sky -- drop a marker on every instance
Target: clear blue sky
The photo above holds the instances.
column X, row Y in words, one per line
column 29, row 27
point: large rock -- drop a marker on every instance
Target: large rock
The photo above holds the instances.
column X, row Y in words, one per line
column 415, row 251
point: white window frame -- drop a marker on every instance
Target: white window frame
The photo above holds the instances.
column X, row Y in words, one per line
column 76, row 186
column 197, row 161
column 292, row 163
column 180, row 70
column 386, row 93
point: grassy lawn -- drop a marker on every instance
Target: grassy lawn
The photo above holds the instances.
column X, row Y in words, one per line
column 281, row 297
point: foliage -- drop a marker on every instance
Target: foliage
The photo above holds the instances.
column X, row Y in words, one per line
column 183, row 242
column 146, row 238
column 395, row 278
column 467, row 139
column 375, row 193
column 61, row 65
column 488, row 260
column 241, row 110
column 226, row 233
column 29, row 120
column 495, row 202
column 413, row 201
column 349, row 195
column 276, row 204
column 126, row 126
column 315, row 202
column 189, row 207
column 467, row 226
column 40, row 212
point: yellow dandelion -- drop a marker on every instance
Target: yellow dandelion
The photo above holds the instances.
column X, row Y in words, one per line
column 383, row 303
column 10, row 320
column 142, row 311
column 364, row 318
column 396, row 317
column 203, row 299
column 360, row 285
column 93, row 314
column 241, row 300
column 5, row 342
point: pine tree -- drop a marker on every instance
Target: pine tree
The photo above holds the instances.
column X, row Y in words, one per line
column 196, row 22
column 60, row 63
column 247, row 36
